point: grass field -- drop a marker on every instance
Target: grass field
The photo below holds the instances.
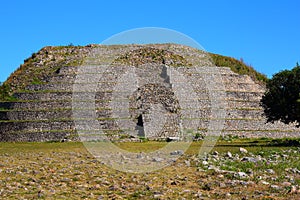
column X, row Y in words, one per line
column 69, row 171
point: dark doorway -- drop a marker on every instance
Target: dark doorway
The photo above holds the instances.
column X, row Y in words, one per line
column 140, row 126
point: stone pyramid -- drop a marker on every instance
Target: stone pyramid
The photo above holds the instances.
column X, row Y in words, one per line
column 126, row 92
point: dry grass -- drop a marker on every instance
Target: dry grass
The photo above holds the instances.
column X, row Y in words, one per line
column 68, row 171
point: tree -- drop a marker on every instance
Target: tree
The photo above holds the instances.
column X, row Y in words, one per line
column 281, row 100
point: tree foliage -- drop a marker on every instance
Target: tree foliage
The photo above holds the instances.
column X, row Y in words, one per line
column 281, row 99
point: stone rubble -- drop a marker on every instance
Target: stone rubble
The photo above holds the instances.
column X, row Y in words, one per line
column 56, row 174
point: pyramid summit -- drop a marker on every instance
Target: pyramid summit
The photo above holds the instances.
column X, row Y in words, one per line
column 133, row 91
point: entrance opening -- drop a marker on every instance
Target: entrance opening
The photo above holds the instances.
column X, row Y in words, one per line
column 140, row 126
column 140, row 121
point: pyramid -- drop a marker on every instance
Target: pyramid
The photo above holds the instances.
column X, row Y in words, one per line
column 127, row 92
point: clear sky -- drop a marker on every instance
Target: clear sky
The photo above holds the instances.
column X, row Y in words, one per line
column 265, row 33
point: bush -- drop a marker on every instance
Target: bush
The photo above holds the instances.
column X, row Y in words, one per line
column 281, row 99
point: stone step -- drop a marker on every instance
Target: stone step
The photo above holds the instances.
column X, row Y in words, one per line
column 231, row 126
column 242, row 87
column 43, row 96
column 64, row 86
column 263, row 133
column 63, row 79
column 64, row 70
column 37, row 105
column 244, row 113
column 37, row 136
column 51, row 87
column 254, row 124
column 49, row 105
column 19, row 126
column 245, row 96
column 242, row 104
column 39, row 115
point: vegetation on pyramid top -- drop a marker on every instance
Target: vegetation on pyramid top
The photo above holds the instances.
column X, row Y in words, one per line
column 152, row 55
column 238, row 66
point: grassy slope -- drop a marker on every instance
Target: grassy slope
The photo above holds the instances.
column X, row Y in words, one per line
column 238, row 66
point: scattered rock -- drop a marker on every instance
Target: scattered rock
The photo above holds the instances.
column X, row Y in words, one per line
column 243, row 150
column 222, row 185
column 250, row 183
column 187, row 163
column 241, row 175
column 275, row 187
column 264, row 182
column 100, row 197
column 284, row 156
column 198, row 194
column 236, row 157
column 204, row 162
column 140, row 155
column 173, row 183
column 249, row 159
column 65, row 180
column 177, row 152
column 293, row 189
column 25, row 170
column 113, row 188
column 229, row 154
column 270, row 171
column 227, row 194
column 220, row 176
column 286, row 184
column 157, row 195
column 157, row 159
column 293, row 170
column 214, row 168
column 64, row 172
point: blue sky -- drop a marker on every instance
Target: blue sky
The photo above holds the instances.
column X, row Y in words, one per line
column 265, row 33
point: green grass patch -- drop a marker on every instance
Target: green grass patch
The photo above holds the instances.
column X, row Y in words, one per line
column 17, row 147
